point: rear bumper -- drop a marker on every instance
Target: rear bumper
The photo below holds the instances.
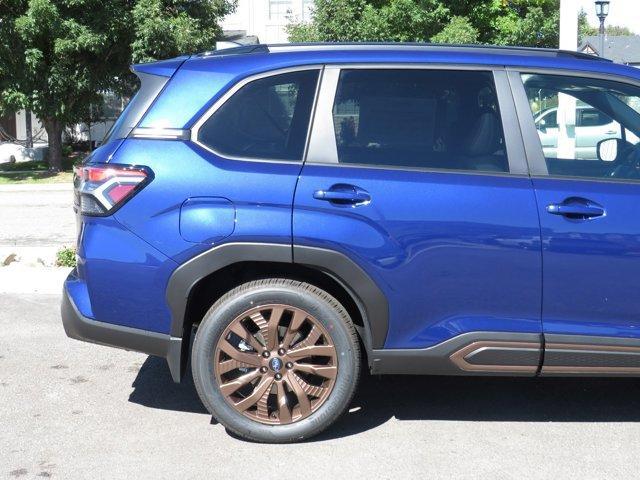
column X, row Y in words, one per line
column 79, row 327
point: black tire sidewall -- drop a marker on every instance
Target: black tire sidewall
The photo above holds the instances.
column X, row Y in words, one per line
column 217, row 320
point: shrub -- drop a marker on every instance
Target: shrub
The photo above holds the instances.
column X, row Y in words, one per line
column 66, row 257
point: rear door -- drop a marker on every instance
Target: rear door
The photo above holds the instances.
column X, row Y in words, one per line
column 410, row 175
column 590, row 218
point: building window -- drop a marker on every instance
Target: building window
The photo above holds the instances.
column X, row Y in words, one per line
column 279, row 9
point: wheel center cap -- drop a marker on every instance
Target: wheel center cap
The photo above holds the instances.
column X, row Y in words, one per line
column 275, row 364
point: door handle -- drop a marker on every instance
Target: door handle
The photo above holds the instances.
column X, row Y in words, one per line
column 343, row 194
column 577, row 209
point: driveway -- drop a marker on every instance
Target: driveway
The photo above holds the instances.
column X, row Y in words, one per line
column 72, row 410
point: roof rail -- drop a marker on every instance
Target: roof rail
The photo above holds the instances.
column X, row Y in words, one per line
column 244, row 49
column 494, row 49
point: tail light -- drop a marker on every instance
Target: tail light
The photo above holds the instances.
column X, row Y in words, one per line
column 100, row 189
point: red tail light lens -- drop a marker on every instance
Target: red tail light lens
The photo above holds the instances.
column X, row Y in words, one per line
column 103, row 188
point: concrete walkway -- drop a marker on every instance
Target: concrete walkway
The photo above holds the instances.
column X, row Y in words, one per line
column 36, row 220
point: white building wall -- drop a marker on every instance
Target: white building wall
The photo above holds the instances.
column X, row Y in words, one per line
column 37, row 130
column 267, row 19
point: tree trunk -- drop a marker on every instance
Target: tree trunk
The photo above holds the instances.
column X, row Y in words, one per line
column 54, row 133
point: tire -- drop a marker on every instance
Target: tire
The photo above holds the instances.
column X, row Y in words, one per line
column 282, row 415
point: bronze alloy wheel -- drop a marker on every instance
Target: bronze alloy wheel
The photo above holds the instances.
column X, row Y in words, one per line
column 276, row 364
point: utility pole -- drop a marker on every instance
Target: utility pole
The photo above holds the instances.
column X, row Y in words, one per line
column 602, row 10
column 566, row 103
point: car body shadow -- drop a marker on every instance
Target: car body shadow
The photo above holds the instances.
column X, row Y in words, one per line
column 380, row 398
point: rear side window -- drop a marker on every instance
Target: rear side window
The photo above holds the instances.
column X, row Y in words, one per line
column 266, row 119
column 432, row 119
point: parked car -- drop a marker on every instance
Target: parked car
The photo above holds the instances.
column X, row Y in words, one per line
column 303, row 211
column 591, row 126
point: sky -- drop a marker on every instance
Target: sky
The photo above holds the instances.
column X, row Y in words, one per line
column 621, row 12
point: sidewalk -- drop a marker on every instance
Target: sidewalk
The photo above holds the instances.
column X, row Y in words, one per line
column 20, row 279
column 36, row 220
column 36, row 187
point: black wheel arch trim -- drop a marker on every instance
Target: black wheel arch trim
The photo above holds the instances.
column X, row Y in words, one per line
column 368, row 297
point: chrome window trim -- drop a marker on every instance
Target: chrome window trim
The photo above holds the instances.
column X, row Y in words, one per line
column 322, row 148
column 232, row 91
column 160, row 133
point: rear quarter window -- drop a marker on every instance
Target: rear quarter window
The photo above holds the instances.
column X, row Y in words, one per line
column 150, row 87
column 266, row 119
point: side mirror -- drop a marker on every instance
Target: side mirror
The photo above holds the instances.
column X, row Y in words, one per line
column 542, row 125
column 608, row 149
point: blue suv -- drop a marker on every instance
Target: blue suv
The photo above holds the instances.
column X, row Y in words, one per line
column 286, row 216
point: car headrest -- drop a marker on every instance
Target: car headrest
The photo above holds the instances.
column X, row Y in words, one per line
column 484, row 137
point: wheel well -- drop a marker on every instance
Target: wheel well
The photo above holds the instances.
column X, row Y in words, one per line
column 210, row 288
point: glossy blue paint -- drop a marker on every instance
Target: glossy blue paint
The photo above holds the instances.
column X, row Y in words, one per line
column 261, row 192
column 207, row 219
column 591, row 265
column 125, row 277
column 164, row 68
column 452, row 252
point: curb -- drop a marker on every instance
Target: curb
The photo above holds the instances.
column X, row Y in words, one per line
column 44, row 256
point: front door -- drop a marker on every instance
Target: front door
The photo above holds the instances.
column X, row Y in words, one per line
column 410, row 175
column 590, row 218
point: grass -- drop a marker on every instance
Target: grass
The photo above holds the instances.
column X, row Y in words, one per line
column 37, row 171
column 66, row 257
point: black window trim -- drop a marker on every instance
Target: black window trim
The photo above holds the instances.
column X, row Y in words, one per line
column 322, row 149
column 534, row 152
column 233, row 90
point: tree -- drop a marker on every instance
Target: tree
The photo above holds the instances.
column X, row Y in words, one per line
column 459, row 30
column 59, row 55
column 586, row 30
column 502, row 22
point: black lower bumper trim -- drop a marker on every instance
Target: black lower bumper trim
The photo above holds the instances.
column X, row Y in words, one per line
column 86, row 329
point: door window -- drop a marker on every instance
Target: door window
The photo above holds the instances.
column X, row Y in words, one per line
column 419, row 118
column 588, row 112
column 266, row 119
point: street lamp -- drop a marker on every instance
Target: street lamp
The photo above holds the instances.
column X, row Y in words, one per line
column 602, row 10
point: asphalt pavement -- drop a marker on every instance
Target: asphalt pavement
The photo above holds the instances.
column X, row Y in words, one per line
column 72, row 410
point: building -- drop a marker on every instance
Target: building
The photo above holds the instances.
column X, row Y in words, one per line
column 267, row 19
column 619, row 48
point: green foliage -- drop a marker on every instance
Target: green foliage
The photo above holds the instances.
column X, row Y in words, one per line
column 459, row 30
column 57, row 56
column 502, row 22
column 165, row 29
column 586, row 30
column 66, row 257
